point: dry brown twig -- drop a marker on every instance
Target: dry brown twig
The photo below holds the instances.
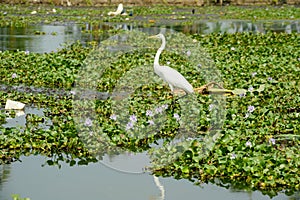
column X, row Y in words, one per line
column 207, row 89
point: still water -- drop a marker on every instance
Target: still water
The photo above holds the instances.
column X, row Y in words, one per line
column 47, row 38
column 97, row 181
column 37, row 38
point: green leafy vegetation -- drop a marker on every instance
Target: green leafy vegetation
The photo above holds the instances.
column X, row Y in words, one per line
column 260, row 137
column 19, row 15
column 17, row 197
column 258, row 143
column 260, row 140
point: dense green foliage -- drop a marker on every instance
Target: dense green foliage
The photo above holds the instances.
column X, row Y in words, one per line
column 258, row 148
column 258, row 144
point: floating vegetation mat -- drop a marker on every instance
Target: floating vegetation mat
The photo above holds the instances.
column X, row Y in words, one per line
column 255, row 145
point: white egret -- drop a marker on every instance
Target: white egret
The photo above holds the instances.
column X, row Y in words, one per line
column 118, row 11
column 168, row 74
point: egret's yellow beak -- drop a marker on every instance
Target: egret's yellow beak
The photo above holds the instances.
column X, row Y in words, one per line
column 153, row 36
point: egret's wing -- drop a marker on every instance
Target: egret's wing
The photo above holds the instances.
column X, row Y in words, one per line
column 119, row 9
column 174, row 78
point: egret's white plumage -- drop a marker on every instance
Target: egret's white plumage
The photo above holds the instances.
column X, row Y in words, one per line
column 168, row 74
column 118, row 11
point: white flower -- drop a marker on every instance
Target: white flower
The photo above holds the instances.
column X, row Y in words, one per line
column 159, row 110
column 248, row 144
column 151, row 122
column 251, row 109
column 88, row 122
column 272, row 141
column 233, row 156
column 129, row 125
column 242, row 95
column 133, row 118
column 176, row 116
column 113, row 117
column 165, row 106
column 247, row 115
column 149, row 113
column 188, row 53
column 72, row 92
column 250, row 89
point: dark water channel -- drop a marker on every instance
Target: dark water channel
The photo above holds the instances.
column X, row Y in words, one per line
column 105, row 180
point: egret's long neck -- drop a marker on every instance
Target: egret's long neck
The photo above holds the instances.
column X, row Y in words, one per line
column 161, row 48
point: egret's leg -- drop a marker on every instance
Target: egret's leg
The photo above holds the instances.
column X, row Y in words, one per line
column 172, row 88
column 172, row 91
column 185, row 94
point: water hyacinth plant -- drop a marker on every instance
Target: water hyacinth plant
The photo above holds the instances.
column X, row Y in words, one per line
column 265, row 117
column 259, row 144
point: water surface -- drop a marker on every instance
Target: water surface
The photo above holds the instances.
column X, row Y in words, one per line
column 97, row 181
column 46, row 38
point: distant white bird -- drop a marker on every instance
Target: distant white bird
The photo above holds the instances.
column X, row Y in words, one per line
column 118, row 11
column 168, row 74
column 68, row 3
